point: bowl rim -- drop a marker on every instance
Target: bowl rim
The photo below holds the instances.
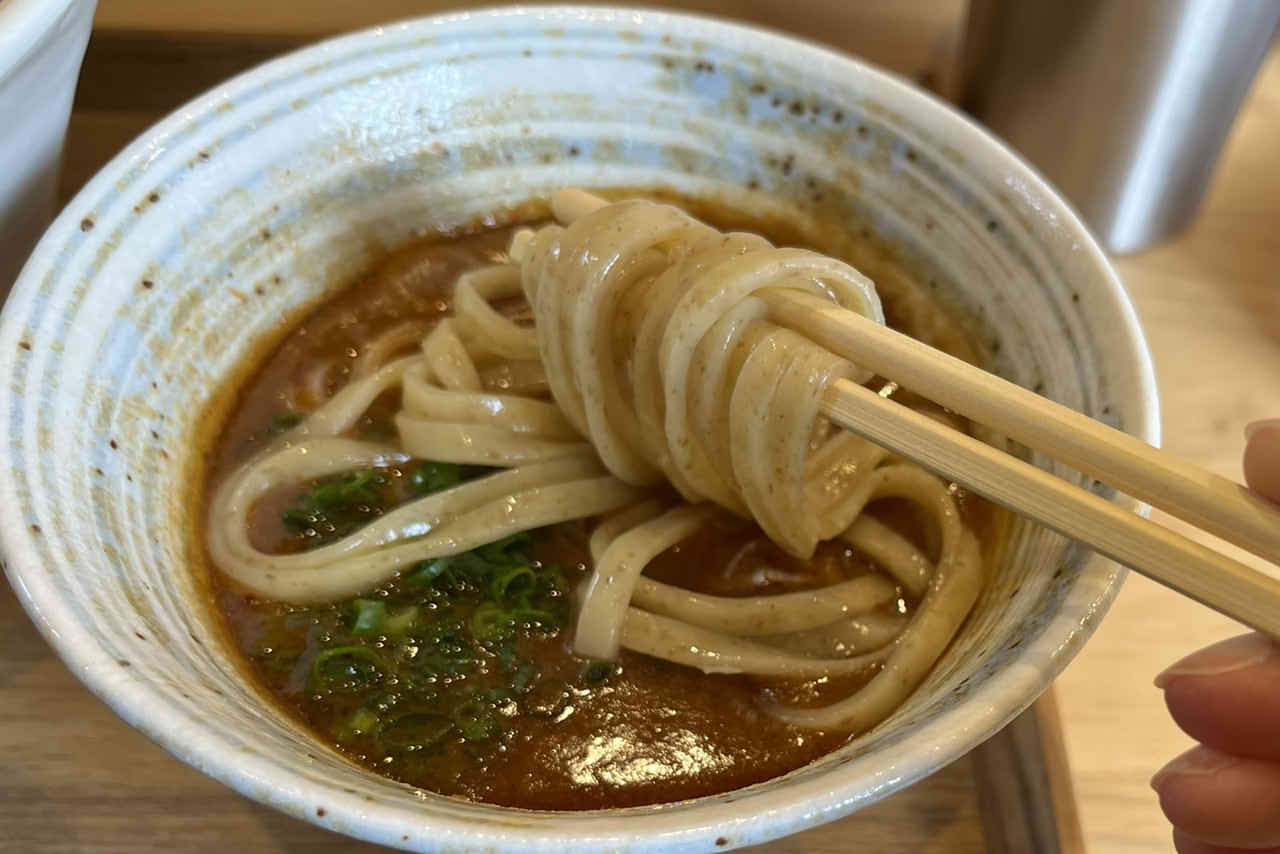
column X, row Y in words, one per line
column 753, row 818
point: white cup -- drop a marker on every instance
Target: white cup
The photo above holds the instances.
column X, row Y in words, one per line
column 42, row 44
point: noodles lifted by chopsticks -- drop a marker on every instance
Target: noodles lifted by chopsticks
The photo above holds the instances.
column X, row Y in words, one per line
column 653, row 337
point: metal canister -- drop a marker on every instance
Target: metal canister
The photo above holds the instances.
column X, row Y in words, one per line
column 1123, row 104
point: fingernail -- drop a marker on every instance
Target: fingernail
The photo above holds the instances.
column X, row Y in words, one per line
column 1255, row 426
column 1234, row 654
column 1198, row 761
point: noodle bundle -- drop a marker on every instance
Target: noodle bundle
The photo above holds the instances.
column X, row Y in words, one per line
column 652, row 337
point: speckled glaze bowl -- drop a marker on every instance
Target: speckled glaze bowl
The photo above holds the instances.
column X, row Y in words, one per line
column 200, row 240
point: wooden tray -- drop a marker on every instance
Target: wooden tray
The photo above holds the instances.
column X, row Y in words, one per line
column 74, row 778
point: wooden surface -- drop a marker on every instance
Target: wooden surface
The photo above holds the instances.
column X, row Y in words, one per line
column 1210, row 303
column 1025, row 794
column 916, row 38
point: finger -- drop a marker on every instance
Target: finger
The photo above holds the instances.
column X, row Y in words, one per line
column 1185, row 844
column 1262, row 457
column 1222, row 800
column 1228, row 696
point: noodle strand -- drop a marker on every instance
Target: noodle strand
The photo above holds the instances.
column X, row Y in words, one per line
column 652, row 335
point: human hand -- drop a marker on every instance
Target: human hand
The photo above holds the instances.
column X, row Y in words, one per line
column 1224, row 794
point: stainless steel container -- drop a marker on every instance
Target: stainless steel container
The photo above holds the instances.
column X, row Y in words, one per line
column 1123, row 104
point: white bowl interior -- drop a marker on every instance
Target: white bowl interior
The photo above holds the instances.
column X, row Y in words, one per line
column 206, row 235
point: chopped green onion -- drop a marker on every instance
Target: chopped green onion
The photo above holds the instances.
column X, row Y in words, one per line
column 490, row 622
column 343, row 502
column 348, row 668
column 471, row 568
column 480, row 729
column 445, row 658
column 415, row 732
column 506, row 550
column 298, row 518
column 282, row 422
column 361, row 722
column 434, row 476
column 368, row 617
column 513, row 582
column 536, row 616
column 351, row 488
column 424, row 573
column 401, row 622
column 476, row 721
column 429, row 477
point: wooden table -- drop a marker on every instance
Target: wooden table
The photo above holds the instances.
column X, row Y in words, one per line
column 75, row 779
column 1210, row 303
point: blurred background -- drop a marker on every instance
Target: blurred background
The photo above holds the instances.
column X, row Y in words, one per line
column 146, row 56
column 1123, row 104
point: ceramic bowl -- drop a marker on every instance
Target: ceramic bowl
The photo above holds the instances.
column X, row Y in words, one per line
column 202, row 239
column 41, row 45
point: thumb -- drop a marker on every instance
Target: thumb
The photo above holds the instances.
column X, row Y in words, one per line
column 1262, row 457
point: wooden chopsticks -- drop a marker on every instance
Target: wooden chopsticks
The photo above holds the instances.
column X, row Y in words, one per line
column 1208, row 501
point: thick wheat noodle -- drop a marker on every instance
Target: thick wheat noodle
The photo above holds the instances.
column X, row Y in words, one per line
column 604, row 605
column 741, row 615
column 893, row 552
column 717, row 652
column 487, row 331
column 953, row 589
column 559, row 480
column 608, row 529
column 523, row 377
column 313, row 389
column 726, row 406
column 845, row 637
column 445, row 523
column 653, row 338
column 752, row 616
column 379, row 351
